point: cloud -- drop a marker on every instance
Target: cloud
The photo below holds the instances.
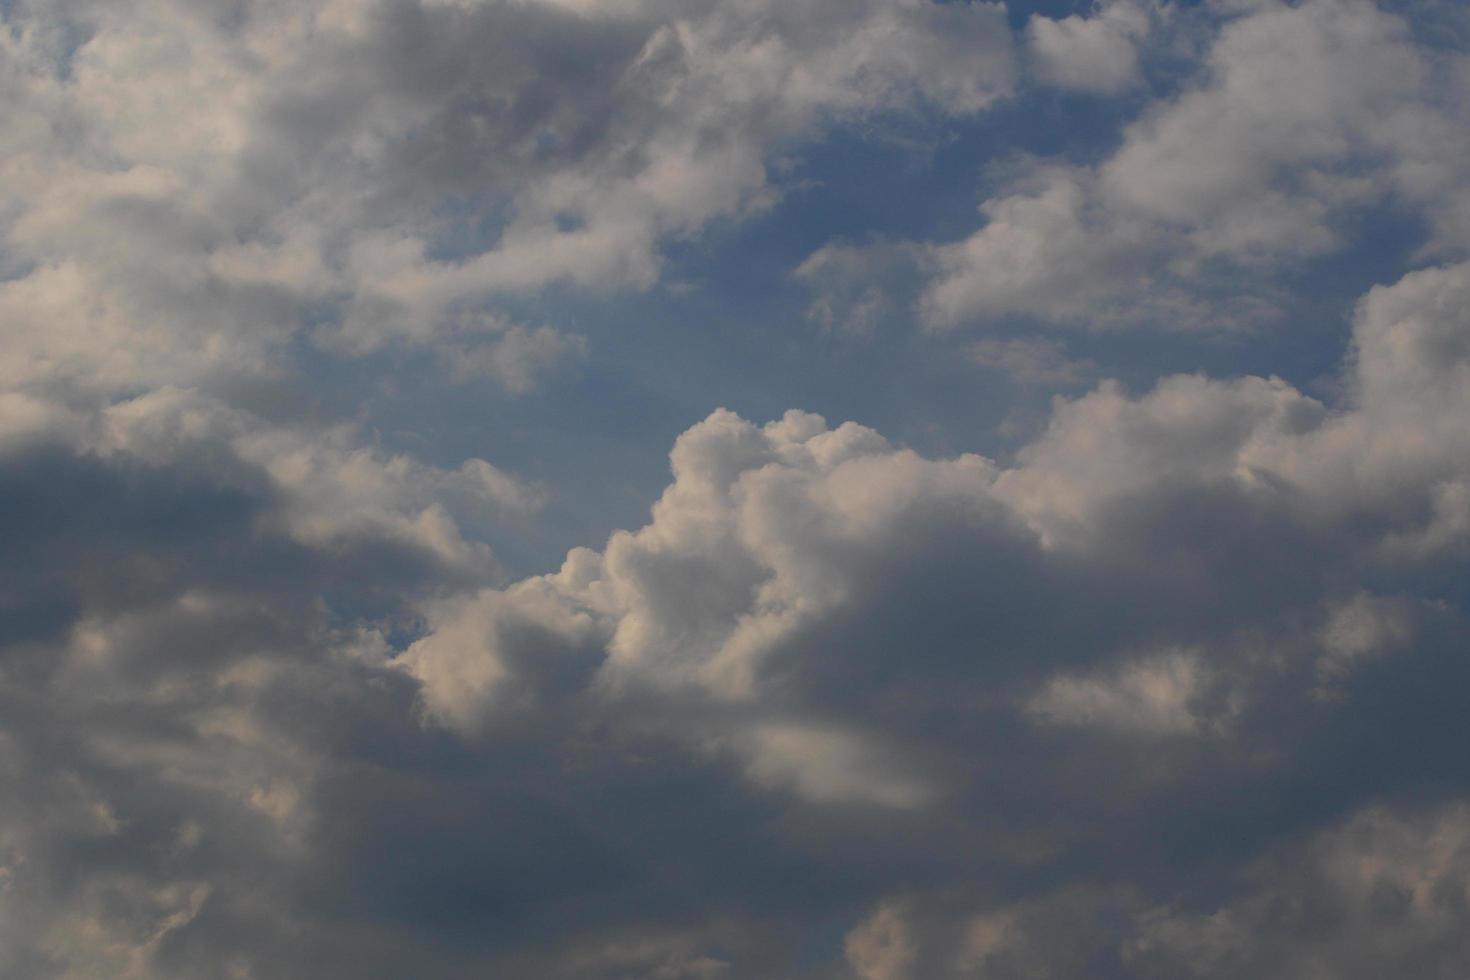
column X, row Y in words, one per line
column 856, row 287
column 1396, row 876
column 830, row 766
column 516, row 357
column 328, row 486
column 1175, row 687
column 849, row 615
column 256, row 730
column 1301, row 117
column 1150, row 695
column 1364, row 626
column 1089, row 54
column 815, row 628
column 190, row 189
column 881, row 948
column 1368, row 893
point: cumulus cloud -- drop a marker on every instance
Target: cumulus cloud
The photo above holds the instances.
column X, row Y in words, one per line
column 208, row 208
column 820, row 640
column 1301, row 117
column 390, row 164
column 779, row 575
column 1174, row 688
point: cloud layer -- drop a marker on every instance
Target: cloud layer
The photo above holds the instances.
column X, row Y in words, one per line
column 1155, row 658
column 1166, row 682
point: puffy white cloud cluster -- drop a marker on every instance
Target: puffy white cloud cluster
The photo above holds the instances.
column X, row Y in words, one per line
column 1298, row 120
column 1161, row 587
column 763, row 533
column 767, row 530
column 187, row 187
column 193, row 193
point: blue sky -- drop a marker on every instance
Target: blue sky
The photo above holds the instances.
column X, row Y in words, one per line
column 646, row 489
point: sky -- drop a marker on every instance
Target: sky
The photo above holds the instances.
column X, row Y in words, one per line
column 747, row 490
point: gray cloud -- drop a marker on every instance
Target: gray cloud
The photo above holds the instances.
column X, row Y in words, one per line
column 1047, row 675
column 1176, row 690
column 1156, row 592
column 957, row 709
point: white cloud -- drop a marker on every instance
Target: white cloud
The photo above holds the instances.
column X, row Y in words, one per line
column 1189, row 429
column 755, row 539
column 330, row 488
column 1090, row 54
column 166, row 160
column 769, row 538
column 1303, row 116
column 1153, row 695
